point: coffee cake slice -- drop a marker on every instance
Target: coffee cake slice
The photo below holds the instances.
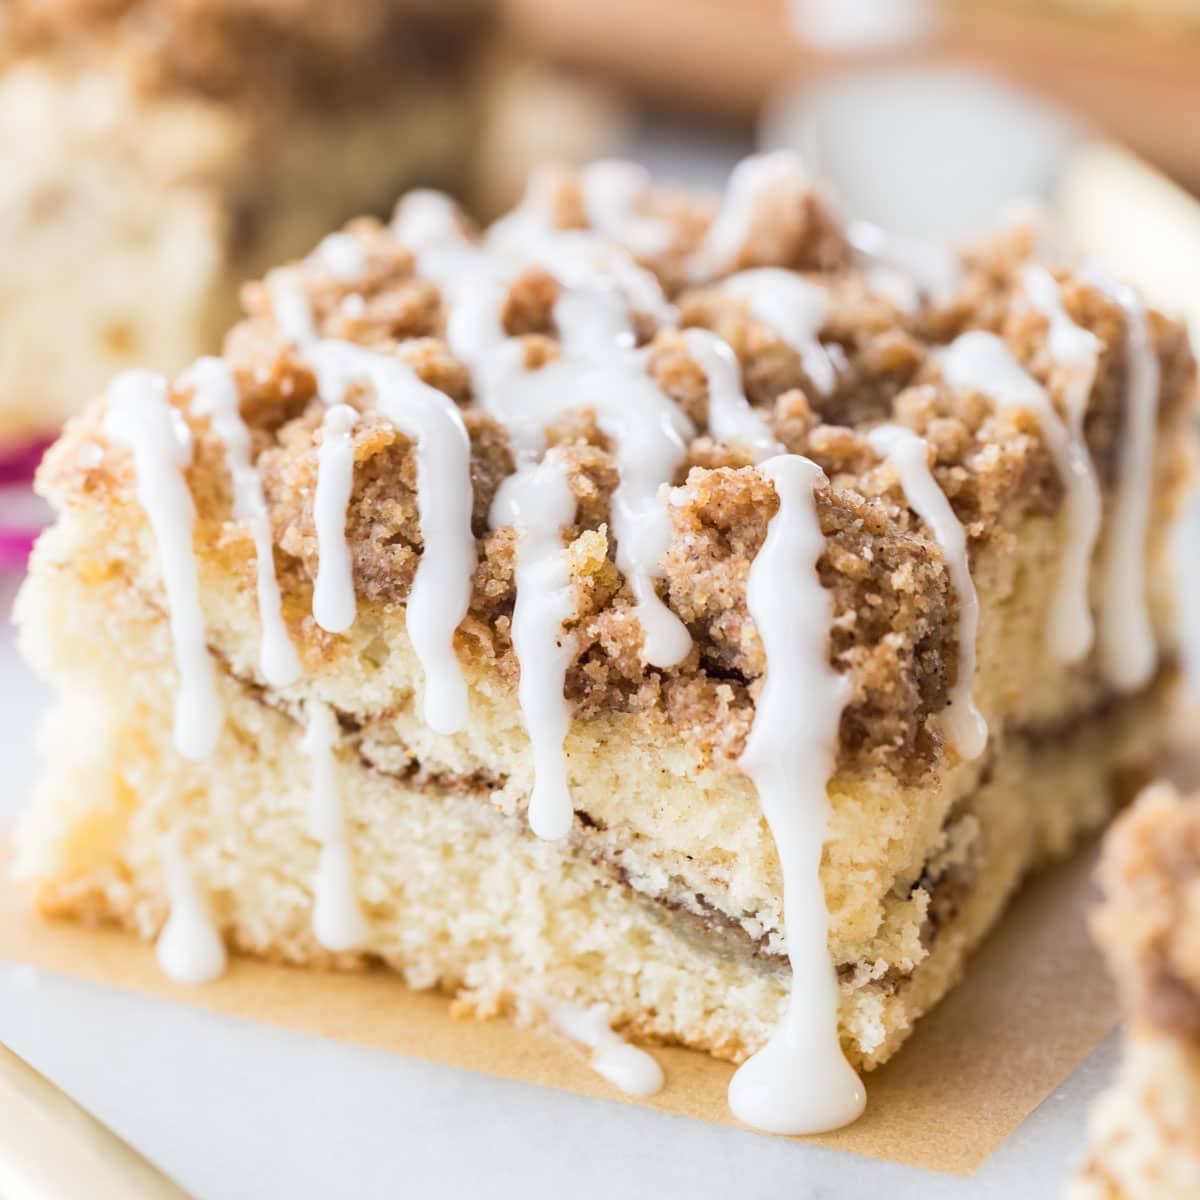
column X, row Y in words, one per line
column 1145, row 1130
column 649, row 614
column 158, row 153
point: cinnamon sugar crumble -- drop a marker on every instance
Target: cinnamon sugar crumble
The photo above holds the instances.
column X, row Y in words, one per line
column 895, row 628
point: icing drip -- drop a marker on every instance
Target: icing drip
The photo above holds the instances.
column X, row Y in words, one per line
column 983, row 363
column 334, row 604
column 424, row 217
column 625, row 1066
column 904, row 269
column 796, row 309
column 291, row 309
column 578, row 259
column 537, row 501
column 752, row 179
column 338, row 921
column 141, row 418
column 343, row 257
column 800, row 1081
column 215, row 395
column 1075, row 350
column 599, row 369
column 650, row 436
column 189, row 948
column 909, row 456
column 441, row 588
column 1128, row 652
column 731, row 418
column 611, row 191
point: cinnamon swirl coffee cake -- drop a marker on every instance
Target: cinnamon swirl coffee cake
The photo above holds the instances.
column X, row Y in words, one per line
column 658, row 615
column 158, row 153
column 1146, row 1128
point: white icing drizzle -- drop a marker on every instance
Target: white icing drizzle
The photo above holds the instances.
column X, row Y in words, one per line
column 441, row 588
column 141, row 418
column 343, row 257
column 800, row 1081
column 626, row 1066
column 291, row 309
column 796, row 309
column 337, row 920
column 651, row 438
column 731, row 417
column 334, row 604
column 1075, row 350
column 983, row 363
column 215, row 395
column 612, row 189
column 189, row 948
column 424, row 217
column 909, row 456
column 1128, row 651
column 904, row 269
column 476, row 335
column 578, row 259
column 537, row 501
column 751, row 180
column 599, row 369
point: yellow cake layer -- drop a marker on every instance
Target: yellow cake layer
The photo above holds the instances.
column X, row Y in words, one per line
column 664, row 903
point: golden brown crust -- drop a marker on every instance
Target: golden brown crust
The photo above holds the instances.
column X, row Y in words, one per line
column 895, row 613
column 1150, row 921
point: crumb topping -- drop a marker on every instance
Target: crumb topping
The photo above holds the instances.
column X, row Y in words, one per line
column 895, row 627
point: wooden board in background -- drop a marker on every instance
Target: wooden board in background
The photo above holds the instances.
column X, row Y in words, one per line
column 1137, row 80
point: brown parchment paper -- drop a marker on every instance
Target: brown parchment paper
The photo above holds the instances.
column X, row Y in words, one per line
column 1034, row 1002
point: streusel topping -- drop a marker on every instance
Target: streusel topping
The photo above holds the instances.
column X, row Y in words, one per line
column 896, row 615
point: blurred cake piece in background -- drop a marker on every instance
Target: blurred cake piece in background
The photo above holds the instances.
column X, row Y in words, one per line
column 1146, row 1128
column 158, row 152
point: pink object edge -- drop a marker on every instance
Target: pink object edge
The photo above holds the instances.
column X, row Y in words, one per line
column 18, row 467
